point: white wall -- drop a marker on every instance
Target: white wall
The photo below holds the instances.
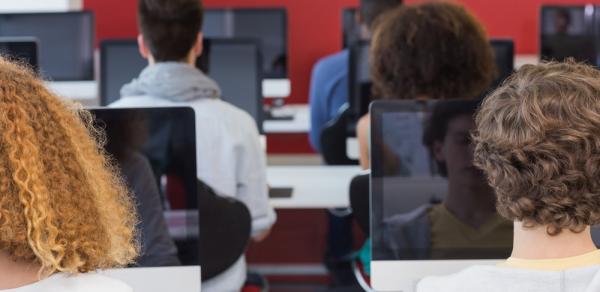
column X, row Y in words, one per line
column 39, row 5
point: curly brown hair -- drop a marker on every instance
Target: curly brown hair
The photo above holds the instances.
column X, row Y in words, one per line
column 62, row 205
column 538, row 141
column 436, row 50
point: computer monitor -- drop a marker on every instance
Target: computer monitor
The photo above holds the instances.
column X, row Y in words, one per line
column 567, row 31
column 155, row 150
column 21, row 49
column 267, row 25
column 233, row 63
column 504, row 52
column 65, row 40
column 350, row 27
column 422, row 176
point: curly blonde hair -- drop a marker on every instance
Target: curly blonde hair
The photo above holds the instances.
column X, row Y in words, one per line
column 538, row 141
column 62, row 205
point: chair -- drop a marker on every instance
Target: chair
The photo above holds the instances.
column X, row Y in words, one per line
column 333, row 139
column 225, row 226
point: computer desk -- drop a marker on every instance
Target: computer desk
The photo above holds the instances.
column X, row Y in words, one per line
column 313, row 187
column 180, row 279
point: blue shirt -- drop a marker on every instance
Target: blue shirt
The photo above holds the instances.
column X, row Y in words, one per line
column 328, row 92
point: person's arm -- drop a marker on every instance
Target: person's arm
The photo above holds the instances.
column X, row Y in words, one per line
column 251, row 180
column 363, row 136
column 318, row 106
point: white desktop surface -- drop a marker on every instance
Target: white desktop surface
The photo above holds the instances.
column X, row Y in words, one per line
column 76, row 90
column 404, row 275
column 180, row 279
column 300, row 123
column 314, row 187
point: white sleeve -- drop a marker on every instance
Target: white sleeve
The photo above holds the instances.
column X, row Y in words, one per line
column 251, row 177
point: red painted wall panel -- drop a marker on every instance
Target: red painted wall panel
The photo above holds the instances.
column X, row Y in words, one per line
column 315, row 26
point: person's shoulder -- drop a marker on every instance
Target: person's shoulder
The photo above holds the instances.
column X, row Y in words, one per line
column 333, row 61
column 89, row 282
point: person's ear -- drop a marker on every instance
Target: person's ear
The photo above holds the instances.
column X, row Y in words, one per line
column 438, row 151
column 198, row 46
column 144, row 51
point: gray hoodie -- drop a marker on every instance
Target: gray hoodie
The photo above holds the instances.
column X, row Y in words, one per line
column 172, row 81
column 504, row 279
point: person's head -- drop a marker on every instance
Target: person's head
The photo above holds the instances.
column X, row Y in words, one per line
column 170, row 30
column 447, row 136
column 431, row 50
column 61, row 204
column 538, row 141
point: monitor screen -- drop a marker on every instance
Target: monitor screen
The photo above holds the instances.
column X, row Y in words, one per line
column 155, row 149
column 504, row 52
column 23, row 50
column 428, row 199
column 267, row 26
column 566, row 31
column 232, row 63
column 350, row 27
column 66, row 46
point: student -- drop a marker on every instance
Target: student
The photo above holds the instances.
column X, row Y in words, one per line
column 63, row 211
column 537, row 140
column 229, row 156
column 329, row 79
column 427, row 51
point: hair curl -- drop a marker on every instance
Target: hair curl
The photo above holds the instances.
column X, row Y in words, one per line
column 61, row 203
column 437, row 50
column 538, row 141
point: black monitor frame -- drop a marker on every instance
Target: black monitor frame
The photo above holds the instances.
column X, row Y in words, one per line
column 92, row 33
column 285, row 35
column 358, row 107
column 509, row 43
column 27, row 41
column 589, row 26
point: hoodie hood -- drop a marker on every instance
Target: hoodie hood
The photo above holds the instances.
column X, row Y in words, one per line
column 178, row 82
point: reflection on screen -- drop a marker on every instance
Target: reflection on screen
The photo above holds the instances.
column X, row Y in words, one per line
column 267, row 26
column 566, row 32
column 66, row 49
column 429, row 201
column 155, row 150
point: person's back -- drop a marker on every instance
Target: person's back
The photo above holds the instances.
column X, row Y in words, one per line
column 230, row 158
column 65, row 213
column 537, row 139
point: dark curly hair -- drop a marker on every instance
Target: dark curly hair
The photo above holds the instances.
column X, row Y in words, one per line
column 538, row 141
column 437, row 50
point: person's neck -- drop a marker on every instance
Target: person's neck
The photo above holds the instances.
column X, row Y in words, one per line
column 189, row 60
column 16, row 274
column 535, row 243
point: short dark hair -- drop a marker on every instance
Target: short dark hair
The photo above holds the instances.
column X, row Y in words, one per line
column 436, row 50
column 170, row 27
column 436, row 127
column 371, row 9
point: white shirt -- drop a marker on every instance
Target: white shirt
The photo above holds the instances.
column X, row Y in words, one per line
column 89, row 282
column 230, row 160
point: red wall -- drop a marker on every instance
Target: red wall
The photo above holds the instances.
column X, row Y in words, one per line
column 315, row 26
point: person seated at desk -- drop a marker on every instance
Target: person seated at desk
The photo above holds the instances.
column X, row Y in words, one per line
column 427, row 51
column 64, row 213
column 467, row 217
column 229, row 155
column 329, row 80
column 537, row 139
